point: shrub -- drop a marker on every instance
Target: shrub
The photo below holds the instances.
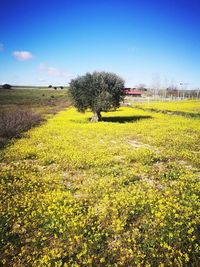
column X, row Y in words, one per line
column 6, row 86
column 13, row 122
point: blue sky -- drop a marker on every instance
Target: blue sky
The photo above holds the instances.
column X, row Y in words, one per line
column 50, row 42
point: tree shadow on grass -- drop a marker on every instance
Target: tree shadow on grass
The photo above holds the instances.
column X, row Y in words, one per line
column 124, row 119
column 115, row 119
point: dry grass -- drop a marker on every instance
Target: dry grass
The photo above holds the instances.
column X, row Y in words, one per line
column 17, row 120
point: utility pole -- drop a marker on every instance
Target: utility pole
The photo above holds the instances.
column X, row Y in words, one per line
column 183, row 87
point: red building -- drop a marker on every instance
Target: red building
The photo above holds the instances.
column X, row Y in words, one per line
column 132, row 92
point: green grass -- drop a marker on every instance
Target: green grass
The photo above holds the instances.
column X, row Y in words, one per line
column 184, row 107
column 31, row 96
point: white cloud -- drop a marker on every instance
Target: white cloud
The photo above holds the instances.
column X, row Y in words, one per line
column 41, row 79
column 42, row 67
column 22, row 55
column 53, row 72
column 1, row 47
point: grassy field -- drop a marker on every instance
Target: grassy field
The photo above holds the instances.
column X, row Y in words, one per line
column 122, row 192
column 34, row 98
column 184, row 107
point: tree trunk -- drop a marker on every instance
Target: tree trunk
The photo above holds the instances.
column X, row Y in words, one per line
column 96, row 116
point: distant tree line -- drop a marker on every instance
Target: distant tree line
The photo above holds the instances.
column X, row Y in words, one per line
column 56, row 87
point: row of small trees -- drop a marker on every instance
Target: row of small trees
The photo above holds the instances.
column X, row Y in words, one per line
column 8, row 86
column 56, row 87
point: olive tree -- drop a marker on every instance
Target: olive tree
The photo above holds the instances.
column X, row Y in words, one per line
column 99, row 91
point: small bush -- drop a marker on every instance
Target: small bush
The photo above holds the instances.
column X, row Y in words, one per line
column 6, row 86
column 13, row 122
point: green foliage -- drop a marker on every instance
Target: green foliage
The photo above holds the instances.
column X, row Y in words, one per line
column 6, row 86
column 99, row 91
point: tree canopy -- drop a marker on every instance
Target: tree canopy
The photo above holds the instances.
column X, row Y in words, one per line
column 99, row 91
column 6, row 86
